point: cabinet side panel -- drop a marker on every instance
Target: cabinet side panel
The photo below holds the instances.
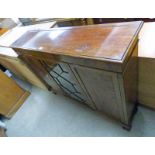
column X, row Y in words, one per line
column 146, row 88
column 129, row 85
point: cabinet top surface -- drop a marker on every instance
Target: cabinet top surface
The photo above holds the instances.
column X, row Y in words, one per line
column 103, row 41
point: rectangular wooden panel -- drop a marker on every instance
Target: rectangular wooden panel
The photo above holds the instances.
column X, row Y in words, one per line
column 12, row 95
column 128, row 82
column 147, row 82
column 78, row 40
column 102, row 87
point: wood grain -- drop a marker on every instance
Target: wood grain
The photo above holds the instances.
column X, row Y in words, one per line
column 128, row 83
column 12, row 95
column 102, row 88
column 111, row 42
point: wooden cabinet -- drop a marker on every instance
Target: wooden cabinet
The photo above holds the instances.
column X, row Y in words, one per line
column 12, row 95
column 146, row 56
column 95, row 64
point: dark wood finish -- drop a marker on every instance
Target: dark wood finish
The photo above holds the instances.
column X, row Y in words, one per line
column 100, row 59
column 113, row 20
column 111, row 43
column 71, row 22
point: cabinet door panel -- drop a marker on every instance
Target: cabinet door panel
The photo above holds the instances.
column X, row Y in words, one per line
column 103, row 89
column 67, row 81
column 61, row 78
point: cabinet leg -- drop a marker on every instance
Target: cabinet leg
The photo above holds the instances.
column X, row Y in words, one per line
column 129, row 125
column 135, row 109
column 50, row 89
column 126, row 127
column 2, row 125
column 54, row 92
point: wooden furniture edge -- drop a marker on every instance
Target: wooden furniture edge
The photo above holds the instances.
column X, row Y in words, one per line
column 18, row 104
column 47, row 87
